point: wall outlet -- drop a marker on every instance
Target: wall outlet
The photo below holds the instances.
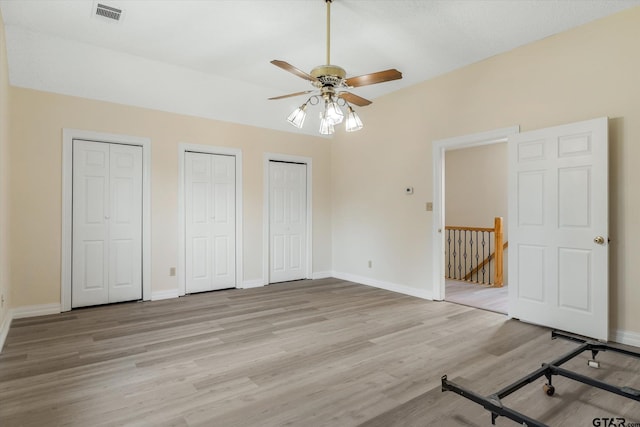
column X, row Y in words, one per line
column 370, row 263
column 172, row 271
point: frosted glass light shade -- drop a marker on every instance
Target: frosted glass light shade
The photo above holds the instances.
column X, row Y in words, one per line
column 353, row 121
column 333, row 113
column 297, row 117
column 326, row 126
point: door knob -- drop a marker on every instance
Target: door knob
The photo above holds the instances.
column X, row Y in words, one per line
column 599, row 240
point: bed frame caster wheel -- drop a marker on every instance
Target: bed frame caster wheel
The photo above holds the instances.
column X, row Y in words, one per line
column 549, row 389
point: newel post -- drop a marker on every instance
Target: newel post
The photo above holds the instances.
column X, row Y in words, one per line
column 498, row 275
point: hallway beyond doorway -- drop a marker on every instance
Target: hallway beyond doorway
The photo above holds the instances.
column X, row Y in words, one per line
column 478, row 296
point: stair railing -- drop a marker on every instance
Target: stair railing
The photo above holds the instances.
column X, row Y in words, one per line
column 469, row 253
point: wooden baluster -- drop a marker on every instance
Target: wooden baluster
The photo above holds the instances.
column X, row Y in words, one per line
column 499, row 251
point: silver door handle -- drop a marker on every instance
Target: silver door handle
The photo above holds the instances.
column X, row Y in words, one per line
column 599, row 240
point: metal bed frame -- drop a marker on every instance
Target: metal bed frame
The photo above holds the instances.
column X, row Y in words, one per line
column 493, row 402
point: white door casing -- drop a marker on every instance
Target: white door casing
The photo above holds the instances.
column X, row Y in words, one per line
column 287, row 221
column 107, row 223
column 210, row 221
column 558, row 211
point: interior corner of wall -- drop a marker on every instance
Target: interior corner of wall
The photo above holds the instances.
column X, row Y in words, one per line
column 5, row 323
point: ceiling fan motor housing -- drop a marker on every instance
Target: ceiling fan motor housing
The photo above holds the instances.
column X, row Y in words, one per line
column 329, row 75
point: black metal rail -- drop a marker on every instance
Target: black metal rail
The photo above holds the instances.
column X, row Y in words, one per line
column 466, row 250
column 493, row 402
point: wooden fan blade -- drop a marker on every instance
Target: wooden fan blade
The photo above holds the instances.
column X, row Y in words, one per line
column 354, row 99
column 292, row 94
column 293, row 70
column 373, row 78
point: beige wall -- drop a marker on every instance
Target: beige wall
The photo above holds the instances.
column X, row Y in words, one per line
column 476, row 185
column 36, row 152
column 591, row 71
column 4, row 181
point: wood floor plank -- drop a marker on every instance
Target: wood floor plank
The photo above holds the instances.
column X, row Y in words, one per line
column 311, row 353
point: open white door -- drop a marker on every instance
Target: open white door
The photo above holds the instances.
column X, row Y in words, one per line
column 558, row 227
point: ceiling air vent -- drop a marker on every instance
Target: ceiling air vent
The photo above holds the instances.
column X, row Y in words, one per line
column 108, row 12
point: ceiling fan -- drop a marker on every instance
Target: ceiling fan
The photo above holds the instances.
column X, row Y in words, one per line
column 330, row 84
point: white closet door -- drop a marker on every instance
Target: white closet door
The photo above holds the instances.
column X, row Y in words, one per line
column 224, row 221
column 107, row 223
column 125, row 220
column 90, row 276
column 210, row 222
column 287, row 221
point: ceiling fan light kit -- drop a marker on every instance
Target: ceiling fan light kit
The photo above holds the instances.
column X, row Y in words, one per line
column 326, row 125
column 296, row 118
column 353, row 121
column 333, row 112
column 330, row 83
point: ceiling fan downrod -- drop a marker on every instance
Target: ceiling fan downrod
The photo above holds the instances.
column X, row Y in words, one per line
column 328, row 31
column 328, row 75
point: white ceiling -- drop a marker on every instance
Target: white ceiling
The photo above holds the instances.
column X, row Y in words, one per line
column 211, row 58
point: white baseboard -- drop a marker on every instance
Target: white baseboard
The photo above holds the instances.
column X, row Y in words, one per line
column 168, row 294
column 248, row 284
column 4, row 329
column 625, row 337
column 35, row 310
column 394, row 287
column 321, row 275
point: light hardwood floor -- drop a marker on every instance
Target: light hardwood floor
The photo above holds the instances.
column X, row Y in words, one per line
column 478, row 296
column 309, row 353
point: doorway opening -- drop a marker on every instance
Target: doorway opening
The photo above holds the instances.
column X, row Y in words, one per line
column 558, row 213
column 476, row 202
column 462, row 198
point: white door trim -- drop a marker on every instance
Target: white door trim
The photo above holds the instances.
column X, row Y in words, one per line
column 439, row 148
column 265, row 211
column 68, row 135
column 207, row 149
